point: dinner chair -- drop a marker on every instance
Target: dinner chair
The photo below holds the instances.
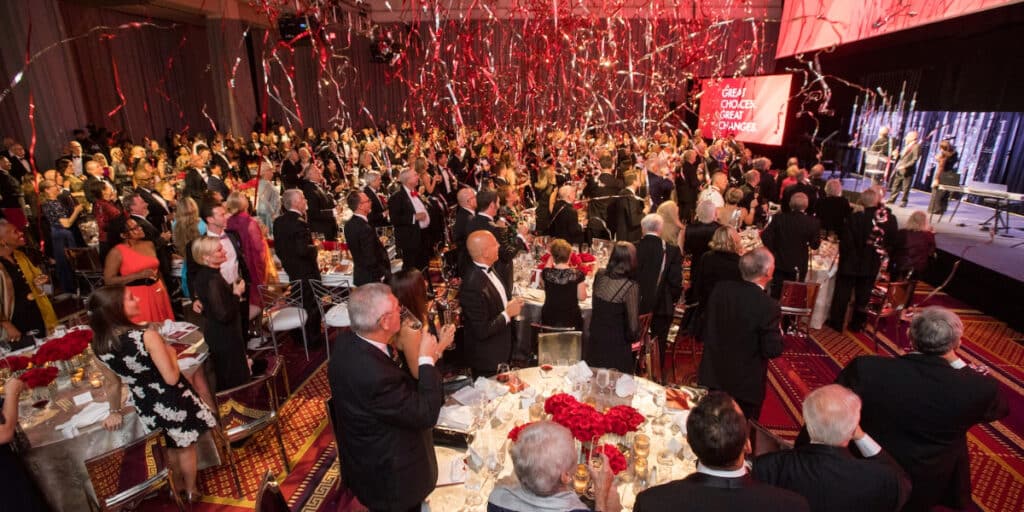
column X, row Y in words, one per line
column 269, row 497
column 645, row 326
column 650, row 360
column 677, row 345
column 123, row 477
column 764, row 441
column 559, row 344
column 86, row 265
column 283, row 310
column 333, row 305
column 246, row 410
column 797, row 302
column 895, row 300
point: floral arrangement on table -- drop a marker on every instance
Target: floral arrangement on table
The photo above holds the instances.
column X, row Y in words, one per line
column 583, row 262
column 588, row 425
column 39, row 377
column 15, row 363
column 64, row 348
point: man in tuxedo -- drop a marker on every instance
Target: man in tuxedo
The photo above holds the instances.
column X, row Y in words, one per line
column 77, row 157
column 789, row 236
column 919, row 407
column 802, row 186
column 234, row 268
column 218, row 157
column 660, row 274
column 159, row 209
column 20, row 165
column 410, row 217
column 161, row 238
column 298, row 256
column 487, row 310
column 906, row 167
column 291, row 170
column 696, row 238
column 484, row 220
column 687, row 186
column 460, row 232
column 383, row 418
column 195, row 178
column 627, row 210
column 11, row 195
column 601, row 190
column 825, row 472
column 321, row 204
column 93, row 172
column 215, row 180
column 378, row 208
column 659, row 182
column 742, row 333
column 717, row 433
column 369, row 257
column 565, row 223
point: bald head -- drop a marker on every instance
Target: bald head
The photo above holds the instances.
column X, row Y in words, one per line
column 467, row 198
column 567, row 193
column 482, row 247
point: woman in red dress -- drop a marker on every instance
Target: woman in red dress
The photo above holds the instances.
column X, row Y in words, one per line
column 134, row 264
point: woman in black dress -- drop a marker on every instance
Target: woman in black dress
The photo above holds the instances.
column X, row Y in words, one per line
column 138, row 357
column 721, row 263
column 615, row 323
column 20, row 491
column 410, row 288
column 564, row 287
column 222, row 327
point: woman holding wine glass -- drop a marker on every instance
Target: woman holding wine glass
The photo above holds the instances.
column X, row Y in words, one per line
column 410, row 288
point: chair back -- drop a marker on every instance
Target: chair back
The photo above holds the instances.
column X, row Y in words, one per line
column 327, row 296
column 798, row 295
column 652, row 360
column 559, row 346
column 281, row 295
column 84, row 259
column 764, row 441
column 645, row 323
column 124, row 476
column 269, row 497
column 247, row 409
column 899, row 294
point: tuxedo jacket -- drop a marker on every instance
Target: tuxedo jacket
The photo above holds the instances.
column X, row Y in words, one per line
column 625, row 214
column 909, row 157
column 857, row 256
column 565, row 223
column 320, row 211
column 488, row 336
column 369, row 257
column 460, row 232
column 195, row 185
column 157, row 213
column 217, row 184
column 741, row 334
column 505, row 252
column 408, row 234
column 833, row 480
column 290, row 174
column 220, row 159
column 700, row 492
column 383, row 425
column 658, row 295
column 377, row 207
column 789, row 236
column 919, row 409
column 293, row 244
column 805, row 188
column 659, row 189
column 19, row 169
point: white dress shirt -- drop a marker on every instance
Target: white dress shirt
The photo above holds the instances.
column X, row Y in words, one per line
column 228, row 269
column 493, row 278
column 733, row 473
column 383, row 347
column 417, row 205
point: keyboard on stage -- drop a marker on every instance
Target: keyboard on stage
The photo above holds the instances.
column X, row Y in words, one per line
column 1000, row 219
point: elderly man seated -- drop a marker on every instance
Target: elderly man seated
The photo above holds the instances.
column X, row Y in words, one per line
column 825, row 472
column 544, row 459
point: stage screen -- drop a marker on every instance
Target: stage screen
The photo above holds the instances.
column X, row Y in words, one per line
column 754, row 108
column 815, row 24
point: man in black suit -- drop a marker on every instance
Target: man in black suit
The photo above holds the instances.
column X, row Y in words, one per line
column 864, row 234
column 717, row 433
column 383, row 417
column 484, row 220
column 825, row 472
column 487, row 310
column 378, row 208
column 321, row 204
column 195, row 179
column 460, row 232
column 369, row 257
column 742, row 333
column 20, row 165
column 217, row 157
column 565, row 223
column 295, row 248
column 802, row 186
column 696, row 238
column 602, row 191
column 291, row 171
column 10, row 189
column 660, row 273
column 789, row 235
column 627, row 210
column 159, row 210
column 234, row 268
column 215, row 180
column 93, row 172
column 410, row 217
column 919, row 407
column 687, row 186
column 906, row 167
column 139, row 210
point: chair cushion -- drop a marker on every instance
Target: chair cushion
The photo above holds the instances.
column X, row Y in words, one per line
column 337, row 316
column 286, row 319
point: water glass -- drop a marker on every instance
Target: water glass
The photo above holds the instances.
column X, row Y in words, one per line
column 409, row 319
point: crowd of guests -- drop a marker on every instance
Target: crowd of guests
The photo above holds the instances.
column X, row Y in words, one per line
column 224, row 208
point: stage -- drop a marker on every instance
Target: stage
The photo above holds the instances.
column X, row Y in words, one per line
column 991, row 276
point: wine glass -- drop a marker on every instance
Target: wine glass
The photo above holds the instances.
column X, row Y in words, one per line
column 603, row 378
column 502, row 374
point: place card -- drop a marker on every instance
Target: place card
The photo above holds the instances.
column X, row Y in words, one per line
column 82, row 399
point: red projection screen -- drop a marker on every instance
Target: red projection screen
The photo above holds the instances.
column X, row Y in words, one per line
column 754, row 108
column 815, row 24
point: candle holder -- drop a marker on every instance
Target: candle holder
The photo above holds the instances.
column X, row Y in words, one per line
column 581, row 479
column 642, row 446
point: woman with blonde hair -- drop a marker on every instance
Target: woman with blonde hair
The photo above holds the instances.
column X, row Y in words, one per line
column 545, row 188
column 187, row 226
column 221, row 327
column 672, row 228
column 732, row 214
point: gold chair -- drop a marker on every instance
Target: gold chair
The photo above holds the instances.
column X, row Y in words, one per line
column 86, row 265
column 896, row 298
column 123, row 477
column 269, row 497
column 650, row 360
column 797, row 301
column 558, row 344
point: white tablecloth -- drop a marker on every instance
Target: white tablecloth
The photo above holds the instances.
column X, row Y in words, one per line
column 337, row 279
column 823, row 268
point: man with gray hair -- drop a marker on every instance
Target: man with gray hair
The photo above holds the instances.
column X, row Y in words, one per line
column 298, row 254
column 824, row 471
column 378, row 208
column 660, row 275
column 919, row 407
column 410, row 218
column 544, row 459
column 565, row 223
column 906, row 167
column 742, row 333
column 382, row 416
column 790, row 235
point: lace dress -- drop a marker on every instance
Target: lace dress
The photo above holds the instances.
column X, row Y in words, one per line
column 561, row 307
column 614, row 324
column 177, row 409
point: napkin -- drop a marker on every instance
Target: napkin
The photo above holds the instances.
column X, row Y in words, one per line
column 679, row 419
column 468, row 395
column 458, row 417
column 490, row 389
column 92, row 413
column 625, row 386
column 675, row 445
column 580, row 372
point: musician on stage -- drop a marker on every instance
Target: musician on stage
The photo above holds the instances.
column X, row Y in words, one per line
column 945, row 162
column 906, row 167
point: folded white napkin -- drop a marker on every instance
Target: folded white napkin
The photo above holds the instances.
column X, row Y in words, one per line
column 459, row 417
column 580, row 372
column 674, row 445
column 468, row 395
column 490, row 389
column 679, row 418
column 92, row 413
column 625, row 386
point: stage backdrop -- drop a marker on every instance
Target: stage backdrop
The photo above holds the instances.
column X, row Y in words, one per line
column 753, row 108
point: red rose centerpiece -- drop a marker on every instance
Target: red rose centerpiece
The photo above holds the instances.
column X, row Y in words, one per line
column 39, row 377
column 15, row 363
column 63, row 348
column 616, row 460
column 583, row 262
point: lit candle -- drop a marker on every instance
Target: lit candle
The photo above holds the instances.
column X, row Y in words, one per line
column 581, row 480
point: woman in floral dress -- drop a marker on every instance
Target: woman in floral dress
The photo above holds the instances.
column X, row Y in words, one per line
column 163, row 398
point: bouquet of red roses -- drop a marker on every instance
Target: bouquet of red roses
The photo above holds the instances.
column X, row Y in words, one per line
column 582, row 262
column 616, row 460
column 39, row 377
column 623, row 419
column 63, row 348
column 556, row 404
column 514, row 433
column 15, row 363
column 585, row 422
